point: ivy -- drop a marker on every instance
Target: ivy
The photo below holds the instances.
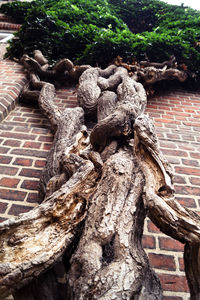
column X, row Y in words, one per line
column 96, row 31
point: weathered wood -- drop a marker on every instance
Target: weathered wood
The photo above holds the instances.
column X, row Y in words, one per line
column 104, row 265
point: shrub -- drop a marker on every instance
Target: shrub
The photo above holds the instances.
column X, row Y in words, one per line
column 96, row 31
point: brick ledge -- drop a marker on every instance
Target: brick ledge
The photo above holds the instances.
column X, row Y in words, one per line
column 12, row 80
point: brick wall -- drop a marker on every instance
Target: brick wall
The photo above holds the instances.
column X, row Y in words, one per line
column 25, row 139
column 177, row 119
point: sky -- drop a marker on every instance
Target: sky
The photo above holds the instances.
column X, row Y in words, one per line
column 191, row 3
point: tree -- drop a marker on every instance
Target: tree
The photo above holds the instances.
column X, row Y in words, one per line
column 103, row 174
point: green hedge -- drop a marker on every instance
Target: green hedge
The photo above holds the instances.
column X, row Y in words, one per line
column 96, row 31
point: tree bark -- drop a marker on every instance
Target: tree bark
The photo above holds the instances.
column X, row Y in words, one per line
column 96, row 189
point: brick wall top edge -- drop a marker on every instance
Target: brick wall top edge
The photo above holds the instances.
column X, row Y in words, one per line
column 12, row 80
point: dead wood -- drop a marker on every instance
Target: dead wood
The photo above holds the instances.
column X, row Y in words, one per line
column 97, row 185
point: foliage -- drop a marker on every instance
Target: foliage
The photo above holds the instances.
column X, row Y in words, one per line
column 96, row 31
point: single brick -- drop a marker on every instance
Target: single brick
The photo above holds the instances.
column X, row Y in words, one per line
column 148, row 242
column 5, row 127
column 30, row 173
column 30, row 185
column 9, row 182
column 23, row 128
column 5, row 159
column 166, row 243
column 189, row 162
column 161, row 261
column 47, row 146
column 40, row 131
column 3, row 207
column 35, row 145
column 4, row 150
column 179, row 179
column 172, row 298
column 32, row 197
column 187, row 202
column 12, row 143
column 152, row 228
column 195, row 180
column 23, row 162
column 29, row 152
column 166, row 144
column 174, row 137
column 187, row 171
column 173, row 283
column 13, row 195
column 181, row 264
column 19, row 136
column 178, row 153
column 19, row 119
column 40, row 163
column 8, row 170
column 19, row 209
column 34, row 121
column 47, row 139
column 195, row 155
column 187, row 190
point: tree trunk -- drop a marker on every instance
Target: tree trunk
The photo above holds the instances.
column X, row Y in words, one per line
column 84, row 240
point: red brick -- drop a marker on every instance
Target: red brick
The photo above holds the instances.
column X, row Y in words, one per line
column 195, row 180
column 8, row 170
column 12, row 143
column 187, row 202
column 13, row 195
column 190, row 162
column 40, row 131
column 187, row 171
column 187, row 190
column 19, row 136
column 19, row 119
column 23, row 162
column 173, row 137
column 161, row 261
column 5, row 159
column 4, row 150
column 30, row 173
column 152, row 227
column 170, row 244
column 181, row 264
column 166, row 144
column 179, row 179
column 148, row 242
column 40, row 163
column 191, row 124
column 29, row 152
column 32, row 197
column 19, row 209
column 5, row 127
column 173, row 160
column 172, row 298
column 195, row 155
column 173, row 283
column 45, row 138
column 32, row 145
column 3, row 207
column 30, row 185
column 167, row 121
column 35, row 114
column 22, row 129
column 178, row 153
column 9, row 182
column 47, row 146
